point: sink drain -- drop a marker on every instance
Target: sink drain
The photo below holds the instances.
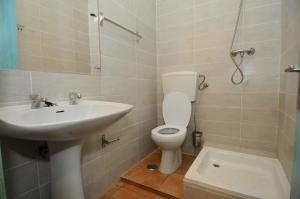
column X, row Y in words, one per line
column 152, row 167
column 216, row 165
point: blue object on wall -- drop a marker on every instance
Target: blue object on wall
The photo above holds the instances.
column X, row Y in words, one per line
column 295, row 194
column 8, row 35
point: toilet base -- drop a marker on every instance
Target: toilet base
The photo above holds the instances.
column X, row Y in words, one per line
column 170, row 161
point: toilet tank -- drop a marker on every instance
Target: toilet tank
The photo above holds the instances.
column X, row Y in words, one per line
column 185, row 82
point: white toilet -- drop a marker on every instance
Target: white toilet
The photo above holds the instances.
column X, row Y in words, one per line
column 179, row 90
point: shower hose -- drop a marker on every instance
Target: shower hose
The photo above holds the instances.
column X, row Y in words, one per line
column 237, row 64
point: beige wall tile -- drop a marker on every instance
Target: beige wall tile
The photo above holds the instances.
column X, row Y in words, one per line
column 201, row 44
column 55, row 45
column 259, row 15
column 219, row 99
column 288, row 84
column 15, row 86
column 259, row 145
column 261, row 84
column 175, row 18
column 165, row 34
column 263, row 101
column 259, row 132
column 222, row 141
column 168, row 6
column 260, row 116
column 230, row 129
column 219, row 114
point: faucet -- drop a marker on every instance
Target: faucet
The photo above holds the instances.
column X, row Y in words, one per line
column 37, row 102
column 74, row 97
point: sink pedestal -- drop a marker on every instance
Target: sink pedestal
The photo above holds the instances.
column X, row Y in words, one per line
column 66, row 179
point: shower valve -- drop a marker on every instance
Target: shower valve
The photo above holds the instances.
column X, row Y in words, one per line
column 249, row 52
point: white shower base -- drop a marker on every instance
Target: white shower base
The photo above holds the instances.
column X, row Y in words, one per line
column 238, row 175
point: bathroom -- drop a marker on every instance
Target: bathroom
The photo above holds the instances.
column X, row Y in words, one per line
column 102, row 68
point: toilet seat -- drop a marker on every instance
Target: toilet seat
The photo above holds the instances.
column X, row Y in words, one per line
column 168, row 131
column 181, row 131
column 169, row 140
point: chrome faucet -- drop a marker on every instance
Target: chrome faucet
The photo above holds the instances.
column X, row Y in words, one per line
column 37, row 102
column 74, row 97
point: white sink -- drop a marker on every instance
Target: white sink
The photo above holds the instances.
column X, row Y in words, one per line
column 63, row 127
column 59, row 123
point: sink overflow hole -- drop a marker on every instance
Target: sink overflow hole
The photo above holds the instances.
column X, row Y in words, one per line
column 152, row 167
column 62, row 111
column 216, row 165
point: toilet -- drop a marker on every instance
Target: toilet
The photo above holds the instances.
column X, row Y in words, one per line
column 179, row 91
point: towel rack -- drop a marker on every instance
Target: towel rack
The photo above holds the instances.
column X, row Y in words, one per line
column 293, row 68
column 102, row 18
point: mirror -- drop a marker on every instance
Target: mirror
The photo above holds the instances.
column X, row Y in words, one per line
column 49, row 35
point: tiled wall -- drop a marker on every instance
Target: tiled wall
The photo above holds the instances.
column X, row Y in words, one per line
column 94, row 37
column 195, row 35
column 289, row 83
column 55, row 37
column 186, row 35
column 128, row 75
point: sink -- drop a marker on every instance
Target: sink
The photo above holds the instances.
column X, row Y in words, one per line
column 59, row 123
column 64, row 127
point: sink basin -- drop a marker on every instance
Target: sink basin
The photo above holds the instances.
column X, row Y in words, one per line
column 59, row 123
column 64, row 127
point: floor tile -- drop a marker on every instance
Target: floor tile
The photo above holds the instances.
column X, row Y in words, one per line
column 110, row 192
column 173, row 185
column 139, row 190
column 124, row 193
column 141, row 183
column 153, row 158
column 187, row 161
column 159, row 197
column 140, row 174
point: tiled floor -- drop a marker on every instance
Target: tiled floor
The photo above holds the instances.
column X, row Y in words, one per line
column 141, row 183
column 124, row 190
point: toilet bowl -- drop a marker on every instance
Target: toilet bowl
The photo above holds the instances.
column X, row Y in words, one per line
column 170, row 137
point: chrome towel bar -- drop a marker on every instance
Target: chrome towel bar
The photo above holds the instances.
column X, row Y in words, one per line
column 293, row 68
column 102, row 18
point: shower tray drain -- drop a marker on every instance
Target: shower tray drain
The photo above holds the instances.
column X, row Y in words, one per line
column 152, row 167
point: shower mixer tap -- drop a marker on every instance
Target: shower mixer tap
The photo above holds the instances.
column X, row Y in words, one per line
column 249, row 52
column 39, row 102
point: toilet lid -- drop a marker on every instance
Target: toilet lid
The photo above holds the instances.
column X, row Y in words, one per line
column 177, row 109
